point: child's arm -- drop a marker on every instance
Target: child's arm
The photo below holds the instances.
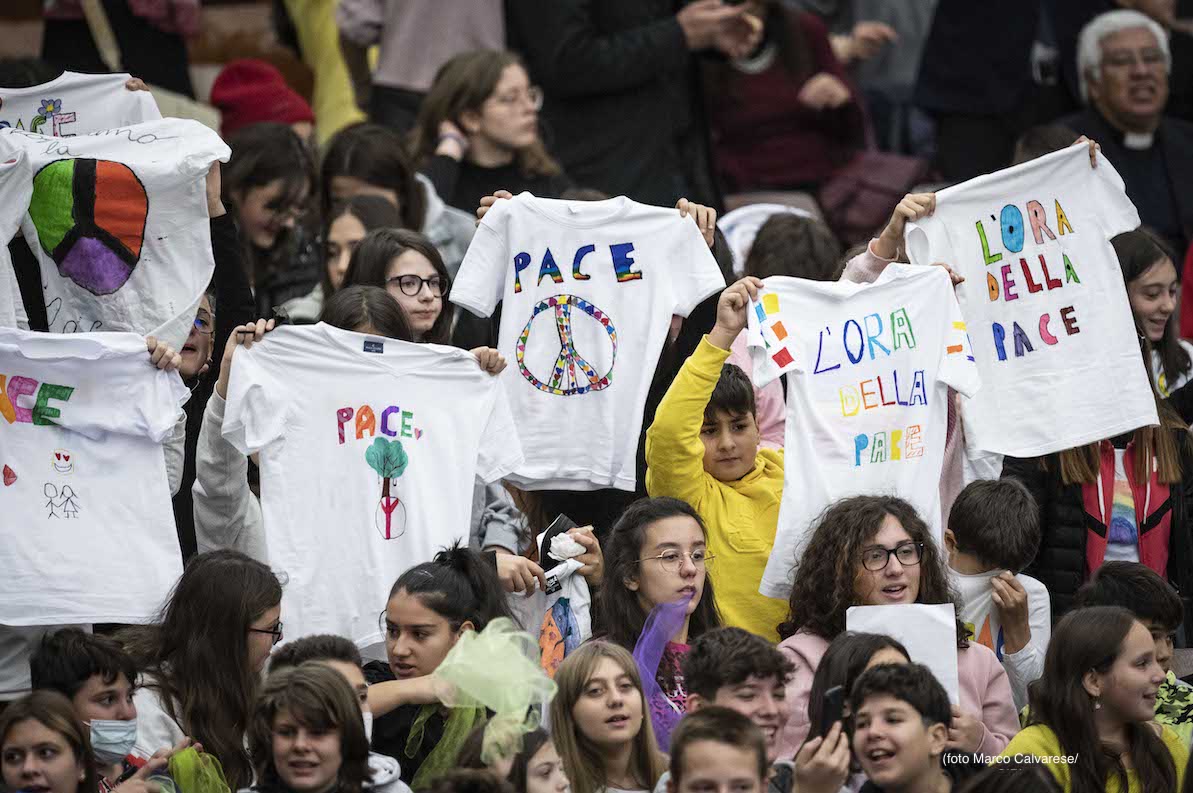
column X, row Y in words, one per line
column 1027, row 664
column 674, row 452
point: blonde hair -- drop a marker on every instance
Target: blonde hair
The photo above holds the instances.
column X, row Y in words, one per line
column 581, row 759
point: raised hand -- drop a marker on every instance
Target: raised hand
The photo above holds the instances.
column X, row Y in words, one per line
column 913, row 207
column 731, row 311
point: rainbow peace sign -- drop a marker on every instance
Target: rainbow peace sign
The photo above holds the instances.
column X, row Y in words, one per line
column 571, row 373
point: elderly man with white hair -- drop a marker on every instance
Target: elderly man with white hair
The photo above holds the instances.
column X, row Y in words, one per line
column 1124, row 62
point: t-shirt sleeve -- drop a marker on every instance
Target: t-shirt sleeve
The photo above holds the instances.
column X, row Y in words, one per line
column 500, row 450
column 773, row 349
column 1115, row 211
column 481, row 279
column 927, row 241
column 694, row 271
column 144, row 107
column 161, row 405
column 957, row 367
column 200, row 148
column 257, row 404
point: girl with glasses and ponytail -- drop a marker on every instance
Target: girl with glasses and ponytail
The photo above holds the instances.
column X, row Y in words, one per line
column 877, row 551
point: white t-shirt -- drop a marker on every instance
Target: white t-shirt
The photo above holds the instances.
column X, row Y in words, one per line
column 1044, row 297
column 369, row 451
column 16, row 186
column 980, row 616
column 88, row 530
column 75, row 104
column 118, row 221
column 588, row 291
column 869, row 368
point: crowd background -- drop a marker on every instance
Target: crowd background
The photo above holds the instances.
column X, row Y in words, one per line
column 801, row 136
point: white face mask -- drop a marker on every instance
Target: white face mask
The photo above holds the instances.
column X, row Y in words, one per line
column 367, row 715
column 112, row 740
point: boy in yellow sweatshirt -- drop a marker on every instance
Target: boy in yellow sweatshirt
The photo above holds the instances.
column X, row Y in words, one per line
column 703, row 448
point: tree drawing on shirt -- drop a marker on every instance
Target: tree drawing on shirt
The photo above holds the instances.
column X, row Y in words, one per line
column 389, row 460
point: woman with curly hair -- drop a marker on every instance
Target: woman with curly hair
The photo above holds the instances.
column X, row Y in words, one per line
column 877, row 551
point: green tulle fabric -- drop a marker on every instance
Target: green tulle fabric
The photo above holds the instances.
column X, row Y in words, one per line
column 195, row 772
column 497, row 670
column 443, row 757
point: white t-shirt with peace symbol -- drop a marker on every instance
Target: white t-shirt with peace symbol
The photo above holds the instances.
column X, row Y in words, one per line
column 118, row 222
column 369, row 451
column 588, row 291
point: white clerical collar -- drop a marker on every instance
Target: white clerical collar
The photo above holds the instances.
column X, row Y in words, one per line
column 1139, row 141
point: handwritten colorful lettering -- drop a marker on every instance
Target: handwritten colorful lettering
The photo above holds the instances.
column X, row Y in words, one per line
column 1008, row 280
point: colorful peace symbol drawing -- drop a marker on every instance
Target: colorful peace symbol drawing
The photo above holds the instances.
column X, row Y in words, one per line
column 90, row 219
column 564, row 380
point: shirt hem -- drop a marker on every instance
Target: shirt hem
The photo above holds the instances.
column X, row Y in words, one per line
column 579, row 482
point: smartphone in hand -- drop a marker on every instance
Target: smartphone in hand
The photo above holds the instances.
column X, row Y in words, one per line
column 834, row 709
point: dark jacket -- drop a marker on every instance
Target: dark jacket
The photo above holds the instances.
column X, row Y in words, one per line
column 1174, row 138
column 967, row 68
column 464, row 184
column 622, row 111
column 391, row 731
column 1064, row 522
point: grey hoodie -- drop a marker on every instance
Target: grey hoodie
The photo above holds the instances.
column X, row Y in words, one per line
column 448, row 228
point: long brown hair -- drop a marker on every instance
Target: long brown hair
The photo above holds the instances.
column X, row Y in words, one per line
column 1162, row 444
column 319, row 698
column 376, row 156
column 581, row 760
column 619, row 611
column 196, row 653
column 1091, row 639
column 371, row 211
column 825, row 576
column 54, row 712
column 464, row 84
column 1138, row 251
column 371, row 260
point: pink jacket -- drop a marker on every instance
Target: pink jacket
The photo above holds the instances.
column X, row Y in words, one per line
column 984, row 687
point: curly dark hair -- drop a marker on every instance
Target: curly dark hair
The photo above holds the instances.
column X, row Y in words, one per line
column 825, row 579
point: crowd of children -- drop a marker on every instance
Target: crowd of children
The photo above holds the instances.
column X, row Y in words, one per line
column 674, row 672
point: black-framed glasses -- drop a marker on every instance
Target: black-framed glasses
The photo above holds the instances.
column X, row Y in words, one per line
column 411, row 284
column 275, row 632
column 204, row 324
column 670, row 561
column 876, row 557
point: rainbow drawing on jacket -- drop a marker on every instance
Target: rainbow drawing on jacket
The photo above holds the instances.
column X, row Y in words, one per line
column 767, row 311
column 90, row 219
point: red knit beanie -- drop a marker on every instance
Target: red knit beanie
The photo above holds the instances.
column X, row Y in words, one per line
column 249, row 91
